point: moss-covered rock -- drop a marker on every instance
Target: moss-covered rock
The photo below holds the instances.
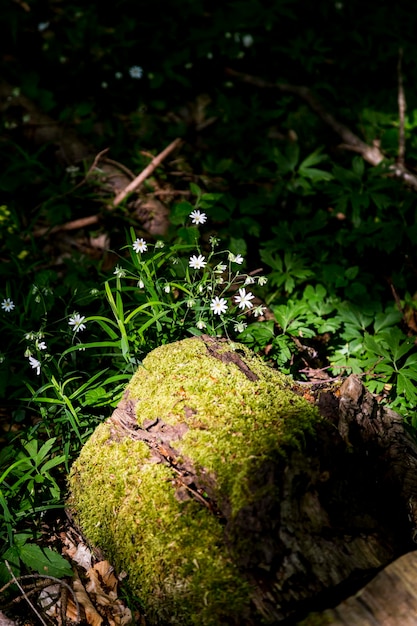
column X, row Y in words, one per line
column 178, row 488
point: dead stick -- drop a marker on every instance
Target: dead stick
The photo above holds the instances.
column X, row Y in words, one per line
column 73, row 225
column 401, row 112
column 24, row 594
column 371, row 154
column 146, row 172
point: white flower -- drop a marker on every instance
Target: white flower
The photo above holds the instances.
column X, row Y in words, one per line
column 262, row 280
column 249, row 280
column 258, row 310
column 244, row 299
column 220, row 268
column 201, row 324
column 159, row 244
column 141, row 284
column 136, row 71
column 218, row 305
column 94, row 292
column 197, row 262
column 77, row 322
column 240, row 327
column 41, row 345
column 190, row 303
column 120, row 272
column 30, row 336
column 35, row 364
column 140, row 245
column 238, row 258
column 247, row 40
column 167, row 288
column 7, row 305
column 197, row 217
column 72, row 169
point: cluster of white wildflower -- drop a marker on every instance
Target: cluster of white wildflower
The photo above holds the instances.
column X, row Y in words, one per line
column 38, row 345
column 212, row 277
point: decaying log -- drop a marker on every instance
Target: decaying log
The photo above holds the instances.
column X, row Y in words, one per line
column 323, row 513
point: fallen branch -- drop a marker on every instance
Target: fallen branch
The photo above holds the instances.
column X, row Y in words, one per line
column 156, row 162
column 371, row 154
column 113, row 178
column 401, row 112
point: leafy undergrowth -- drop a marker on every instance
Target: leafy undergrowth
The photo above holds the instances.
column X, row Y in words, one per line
column 263, row 224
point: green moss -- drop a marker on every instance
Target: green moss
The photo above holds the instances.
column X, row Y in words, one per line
column 235, row 423
column 174, row 552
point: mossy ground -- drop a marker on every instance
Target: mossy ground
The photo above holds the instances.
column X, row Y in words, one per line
column 174, row 552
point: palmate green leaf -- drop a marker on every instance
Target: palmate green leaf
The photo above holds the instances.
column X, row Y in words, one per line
column 411, row 362
column 313, row 159
column 327, row 326
column 397, row 342
column 44, row 561
column 285, row 314
column 407, row 386
column 355, row 318
column 258, row 334
column 375, row 346
column 386, row 320
column 273, row 260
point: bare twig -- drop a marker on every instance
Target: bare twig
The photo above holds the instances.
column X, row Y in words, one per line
column 146, row 172
column 371, row 154
column 42, row 578
column 401, row 112
column 82, row 222
column 34, row 609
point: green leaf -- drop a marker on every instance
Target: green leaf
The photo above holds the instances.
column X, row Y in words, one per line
column 44, row 561
column 238, row 246
column 375, row 346
column 358, row 166
column 411, row 362
column 12, row 557
column 386, row 320
column 315, row 174
column 407, row 387
column 92, row 396
column 195, row 190
column 313, row 159
column 180, row 212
